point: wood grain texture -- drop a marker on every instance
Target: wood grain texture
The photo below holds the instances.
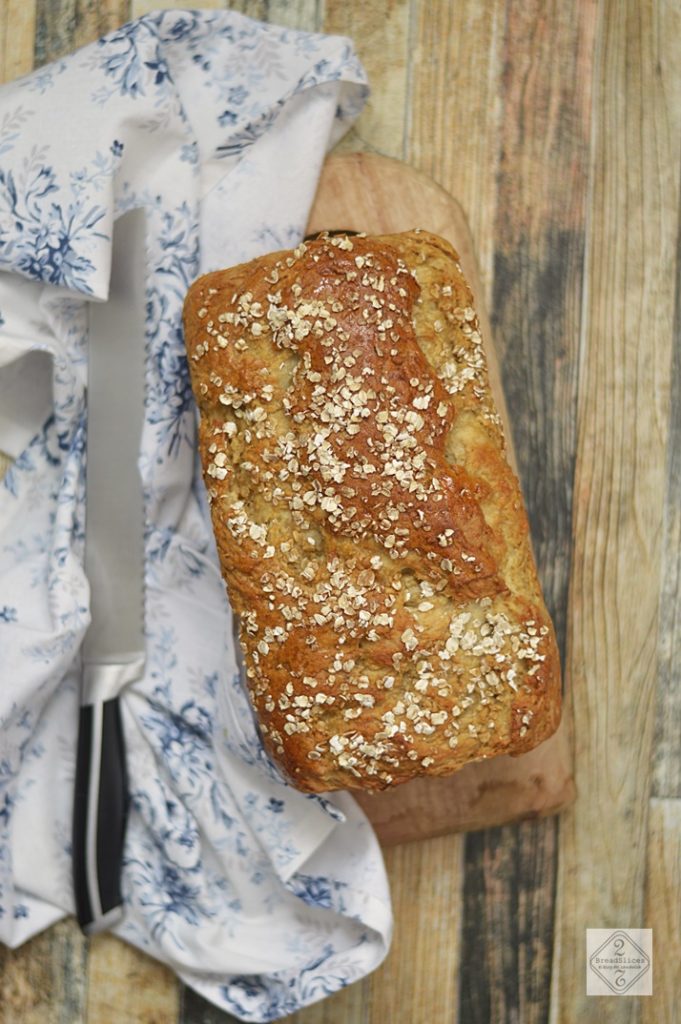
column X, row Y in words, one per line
column 380, row 30
column 63, row 25
column 419, row 981
column 124, row 985
column 663, row 911
column 454, row 108
column 44, row 981
column 509, row 882
column 544, row 127
column 194, row 1009
column 257, row 9
column 620, row 488
column 539, row 262
column 140, row 7
column 666, row 768
column 305, row 14
column 17, row 31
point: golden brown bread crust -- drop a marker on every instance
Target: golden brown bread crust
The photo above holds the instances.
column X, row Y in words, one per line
column 371, row 532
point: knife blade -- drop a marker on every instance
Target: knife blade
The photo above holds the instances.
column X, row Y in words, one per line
column 113, row 652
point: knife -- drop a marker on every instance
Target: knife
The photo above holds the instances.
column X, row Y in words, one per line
column 113, row 652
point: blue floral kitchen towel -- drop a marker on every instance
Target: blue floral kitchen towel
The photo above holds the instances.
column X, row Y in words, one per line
column 261, row 898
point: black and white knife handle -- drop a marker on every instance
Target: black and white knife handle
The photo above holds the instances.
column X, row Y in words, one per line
column 99, row 816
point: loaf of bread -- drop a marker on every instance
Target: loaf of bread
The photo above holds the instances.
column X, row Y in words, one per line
column 371, row 532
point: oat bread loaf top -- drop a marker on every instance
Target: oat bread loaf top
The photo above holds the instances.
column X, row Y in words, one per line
column 371, row 532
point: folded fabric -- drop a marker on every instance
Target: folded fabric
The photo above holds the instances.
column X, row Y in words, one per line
column 260, row 897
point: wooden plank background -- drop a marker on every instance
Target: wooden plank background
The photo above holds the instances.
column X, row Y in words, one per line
column 558, row 127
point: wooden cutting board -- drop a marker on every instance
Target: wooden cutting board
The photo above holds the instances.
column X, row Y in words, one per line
column 365, row 192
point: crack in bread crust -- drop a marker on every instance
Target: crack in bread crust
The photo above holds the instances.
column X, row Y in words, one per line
column 371, row 532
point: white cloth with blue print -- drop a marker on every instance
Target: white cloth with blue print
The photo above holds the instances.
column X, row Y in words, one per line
column 261, row 898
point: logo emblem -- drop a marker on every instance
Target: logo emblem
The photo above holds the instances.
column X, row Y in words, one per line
column 619, row 962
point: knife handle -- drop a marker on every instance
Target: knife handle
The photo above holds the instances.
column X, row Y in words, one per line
column 99, row 816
